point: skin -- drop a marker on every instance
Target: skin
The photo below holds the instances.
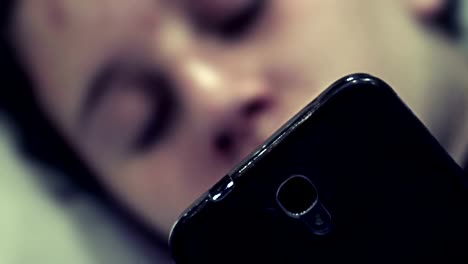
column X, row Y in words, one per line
column 230, row 93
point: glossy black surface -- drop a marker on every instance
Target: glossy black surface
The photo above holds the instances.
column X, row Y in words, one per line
column 388, row 193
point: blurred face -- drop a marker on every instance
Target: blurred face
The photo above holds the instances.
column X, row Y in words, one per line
column 162, row 98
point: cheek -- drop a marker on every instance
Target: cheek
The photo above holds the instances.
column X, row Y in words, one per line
column 307, row 30
column 322, row 41
column 161, row 184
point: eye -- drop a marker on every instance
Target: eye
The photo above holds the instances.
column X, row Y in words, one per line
column 229, row 19
column 127, row 108
column 159, row 88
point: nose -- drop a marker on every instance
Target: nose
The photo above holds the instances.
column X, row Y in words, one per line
column 227, row 105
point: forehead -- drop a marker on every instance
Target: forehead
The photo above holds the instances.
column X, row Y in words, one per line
column 63, row 41
column 63, row 13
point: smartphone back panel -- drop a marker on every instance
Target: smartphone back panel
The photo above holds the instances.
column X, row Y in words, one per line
column 385, row 191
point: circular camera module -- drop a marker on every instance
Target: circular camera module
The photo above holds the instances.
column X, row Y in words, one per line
column 296, row 196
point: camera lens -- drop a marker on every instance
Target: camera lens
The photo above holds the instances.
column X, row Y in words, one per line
column 296, row 196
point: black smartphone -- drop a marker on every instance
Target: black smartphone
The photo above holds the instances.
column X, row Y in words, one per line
column 354, row 177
